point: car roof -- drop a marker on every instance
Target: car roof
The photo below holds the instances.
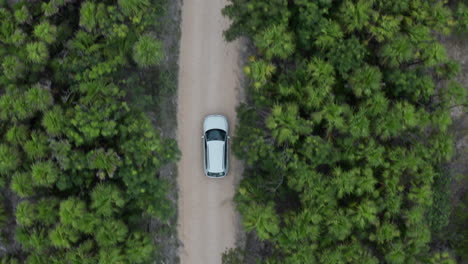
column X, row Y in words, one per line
column 215, row 151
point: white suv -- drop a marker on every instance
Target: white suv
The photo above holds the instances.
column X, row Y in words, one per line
column 215, row 146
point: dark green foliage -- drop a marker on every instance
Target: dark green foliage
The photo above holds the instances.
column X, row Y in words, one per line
column 233, row 256
column 460, row 221
column 9, row 159
column 3, row 215
column 461, row 15
column 439, row 214
column 345, row 131
column 8, row 260
column 81, row 159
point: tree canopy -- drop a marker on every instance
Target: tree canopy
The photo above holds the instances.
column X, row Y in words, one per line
column 83, row 162
column 344, row 136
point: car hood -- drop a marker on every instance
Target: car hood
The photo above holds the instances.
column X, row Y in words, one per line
column 215, row 122
column 215, row 156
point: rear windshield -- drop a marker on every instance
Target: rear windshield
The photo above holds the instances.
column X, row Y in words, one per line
column 215, row 134
column 216, row 174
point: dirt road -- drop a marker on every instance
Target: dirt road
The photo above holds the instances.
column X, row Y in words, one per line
column 208, row 84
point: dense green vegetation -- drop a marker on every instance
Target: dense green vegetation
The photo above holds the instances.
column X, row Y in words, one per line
column 346, row 128
column 82, row 162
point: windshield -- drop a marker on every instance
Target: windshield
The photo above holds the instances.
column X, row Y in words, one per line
column 215, row 134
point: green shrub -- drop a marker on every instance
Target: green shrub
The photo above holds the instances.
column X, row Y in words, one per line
column 25, row 214
column 37, row 147
column 54, row 121
column 44, row 173
column 37, row 52
column 9, row 159
column 21, row 184
column 45, row 32
column 12, row 67
column 148, row 51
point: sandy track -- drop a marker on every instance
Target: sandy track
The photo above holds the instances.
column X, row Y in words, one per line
column 208, row 84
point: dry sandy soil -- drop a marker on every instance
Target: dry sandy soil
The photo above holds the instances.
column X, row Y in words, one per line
column 208, row 84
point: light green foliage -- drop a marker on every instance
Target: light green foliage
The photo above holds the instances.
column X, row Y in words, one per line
column 442, row 258
column 47, row 211
column 275, row 42
column 21, row 184
column 345, row 130
column 139, row 248
column 261, row 218
column 284, row 124
column 95, row 115
column 355, row 16
column 25, row 215
column 54, row 121
column 106, row 199
column 88, row 15
column 18, row 37
column 111, row 232
column 260, row 71
column 37, row 146
column 37, row 52
column 105, row 162
column 71, row 210
column 111, row 255
column 366, row 81
column 12, row 67
column 22, row 14
column 44, row 173
column 133, row 7
column 39, row 98
column 49, row 8
column 397, row 51
column 63, row 237
column 45, row 32
column 148, row 51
